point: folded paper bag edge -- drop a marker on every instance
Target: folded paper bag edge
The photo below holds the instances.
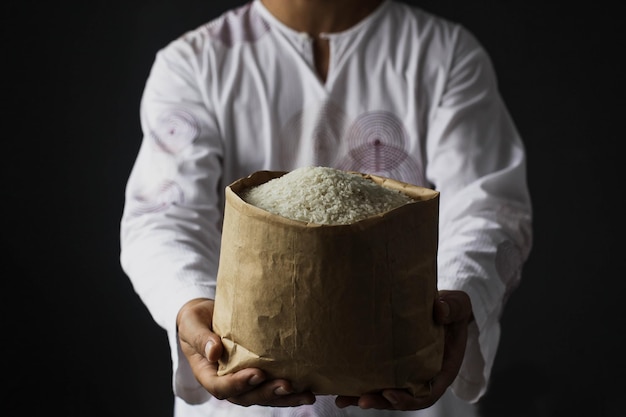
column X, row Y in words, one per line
column 430, row 197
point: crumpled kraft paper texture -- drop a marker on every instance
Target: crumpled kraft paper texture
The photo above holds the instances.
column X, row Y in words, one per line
column 336, row 309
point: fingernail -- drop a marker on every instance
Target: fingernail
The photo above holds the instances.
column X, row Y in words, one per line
column 390, row 397
column 445, row 308
column 255, row 380
column 207, row 348
column 281, row 391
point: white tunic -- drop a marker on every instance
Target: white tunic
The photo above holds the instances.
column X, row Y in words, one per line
column 408, row 95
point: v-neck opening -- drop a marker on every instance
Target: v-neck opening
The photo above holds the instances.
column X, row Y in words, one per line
column 302, row 42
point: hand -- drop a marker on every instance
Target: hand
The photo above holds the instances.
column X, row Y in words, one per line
column 203, row 348
column 453, row 310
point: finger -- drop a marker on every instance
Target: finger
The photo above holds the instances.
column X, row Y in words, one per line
column 454, row 352
column 343, row 401
column 194, row 328
column 374, row 401
column 275, row 393
column 230, row 385
column 394, row 399
column 402, row 400
column 212, row 348
column 203, row 348
column 453, row 306
column 222, row 386
column 442, row 311
column 453, row 309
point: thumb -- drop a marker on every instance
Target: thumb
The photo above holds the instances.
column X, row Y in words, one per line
column 213, row 348
column 452, row 307
column 194, row 323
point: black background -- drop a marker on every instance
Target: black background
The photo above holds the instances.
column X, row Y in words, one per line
column 77, row 340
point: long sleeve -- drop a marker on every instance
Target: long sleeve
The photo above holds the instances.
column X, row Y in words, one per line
column 238, row 95
column 477, row 161
column 170, row 230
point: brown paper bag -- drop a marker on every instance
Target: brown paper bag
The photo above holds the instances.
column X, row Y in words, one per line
column 336, row 309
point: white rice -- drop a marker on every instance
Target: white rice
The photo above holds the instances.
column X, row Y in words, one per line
column 324, row 195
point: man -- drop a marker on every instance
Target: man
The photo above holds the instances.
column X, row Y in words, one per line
column 366, row 85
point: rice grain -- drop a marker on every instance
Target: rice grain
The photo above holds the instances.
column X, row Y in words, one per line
column 324, row 195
